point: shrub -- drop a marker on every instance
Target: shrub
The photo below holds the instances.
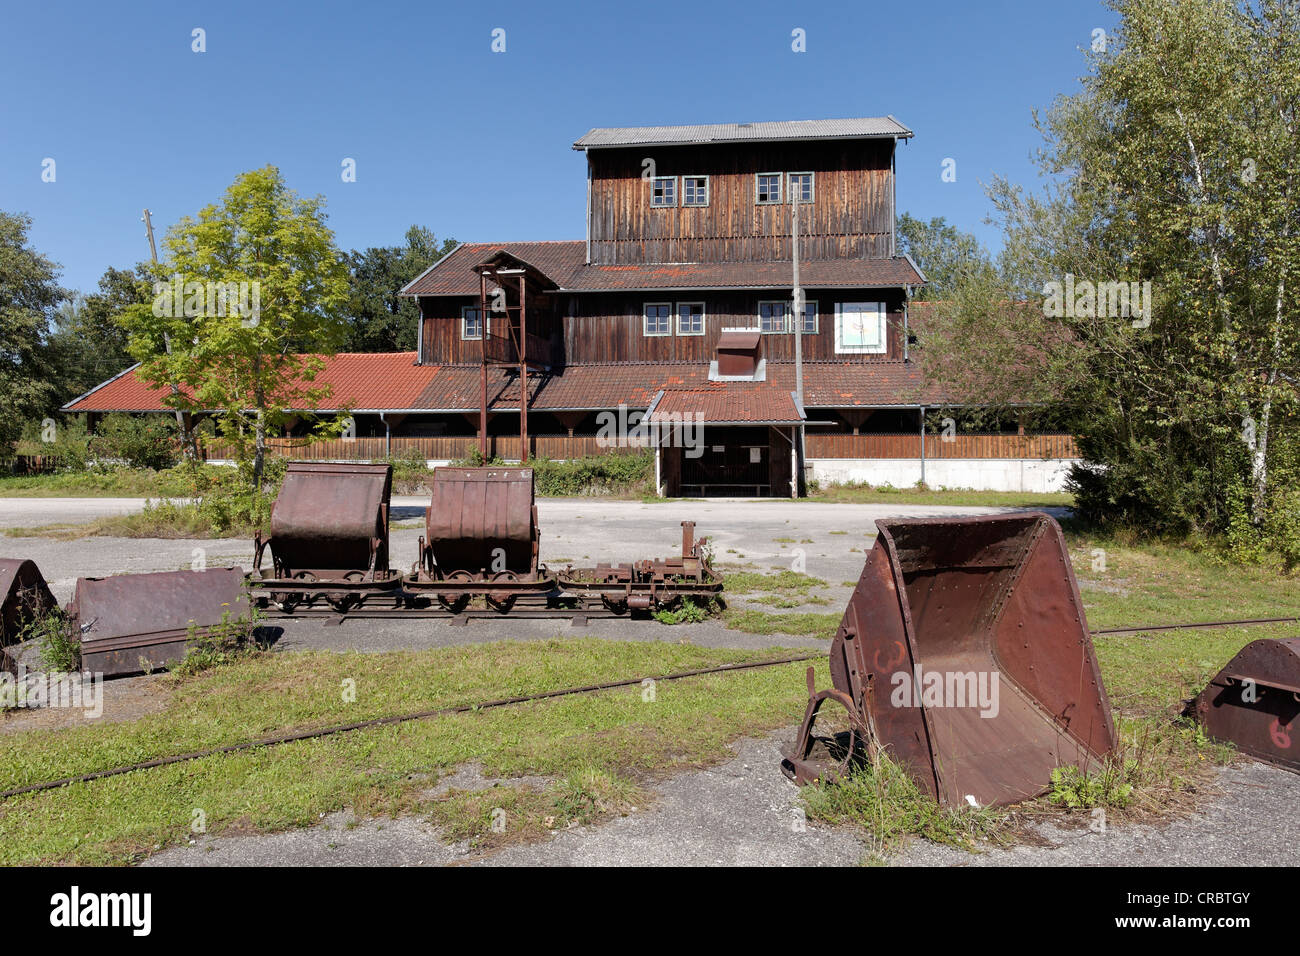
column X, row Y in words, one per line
column 144, row 442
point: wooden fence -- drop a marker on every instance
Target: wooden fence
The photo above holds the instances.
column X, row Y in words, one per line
column 29, row 464
column 580, row 446
column 937, row 446
column 435, row 449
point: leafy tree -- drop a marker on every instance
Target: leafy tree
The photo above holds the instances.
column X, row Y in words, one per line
column 254, row 283
column 379, row 321
column 1174, row 164
column 89, row 341
column 947, row 256
column 29, row 293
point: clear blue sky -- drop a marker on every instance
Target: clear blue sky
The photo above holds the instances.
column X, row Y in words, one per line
column 475, row 144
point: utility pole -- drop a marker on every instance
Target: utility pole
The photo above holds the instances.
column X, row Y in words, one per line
column 182, row 419
column 798, row 308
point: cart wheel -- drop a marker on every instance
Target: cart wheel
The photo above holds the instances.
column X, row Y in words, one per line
column 456, row 604
column 503, row 601
column 616, row 604
column 345, row 602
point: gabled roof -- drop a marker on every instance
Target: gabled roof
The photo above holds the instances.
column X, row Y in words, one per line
column 454, row 273
column 867, row 127
column 564, row 263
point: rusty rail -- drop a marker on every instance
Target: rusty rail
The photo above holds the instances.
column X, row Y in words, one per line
column 398, row 719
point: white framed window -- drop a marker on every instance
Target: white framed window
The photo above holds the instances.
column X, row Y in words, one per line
column 471, row 323
column 773, row 316
column 801, row 187
column 767, row 188
column 810, row 317
column 690, row 318
column 657, row 318
column 663, row 191
column 860, row 327
column 695, row 190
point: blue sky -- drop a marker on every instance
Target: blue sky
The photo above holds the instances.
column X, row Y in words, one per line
column 475, row 144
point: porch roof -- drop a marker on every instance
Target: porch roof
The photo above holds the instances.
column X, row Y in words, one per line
column 727, row 403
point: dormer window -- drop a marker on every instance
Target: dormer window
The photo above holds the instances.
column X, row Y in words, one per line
column 695, row 190
column 663, row 191
column 767, row 188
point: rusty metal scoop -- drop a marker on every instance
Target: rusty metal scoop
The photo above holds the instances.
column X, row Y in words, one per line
column 1254, row 701
column 965, row 655
column 130, row 623
column 24, row 595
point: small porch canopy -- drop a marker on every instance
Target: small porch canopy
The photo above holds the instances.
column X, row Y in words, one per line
column 726, row 438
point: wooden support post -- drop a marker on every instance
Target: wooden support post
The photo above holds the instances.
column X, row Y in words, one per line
column 523, row 369
column 483, row 347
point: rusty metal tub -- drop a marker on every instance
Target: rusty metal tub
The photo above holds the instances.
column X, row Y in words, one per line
column 130, row 623
column 24, row 596
column 1254, row 701
column 965, row 654
column 482, row 521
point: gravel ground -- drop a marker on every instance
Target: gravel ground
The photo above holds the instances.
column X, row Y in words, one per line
column 745, row 813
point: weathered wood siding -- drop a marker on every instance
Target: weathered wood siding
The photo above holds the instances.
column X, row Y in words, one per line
column 851, row 216
column 609, row 327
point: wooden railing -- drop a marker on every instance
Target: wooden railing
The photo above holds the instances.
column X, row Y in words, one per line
column 441, row 448
column 937, row 446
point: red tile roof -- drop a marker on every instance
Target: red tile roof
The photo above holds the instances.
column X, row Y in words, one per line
column 564, row 262
column 363, row 380
column 728, row 403
column 391, row 382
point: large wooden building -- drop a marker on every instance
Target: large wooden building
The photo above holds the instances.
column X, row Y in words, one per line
column 678, row 303
column 677, row 308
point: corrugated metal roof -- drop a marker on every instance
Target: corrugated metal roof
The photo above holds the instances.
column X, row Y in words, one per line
column 867, row 127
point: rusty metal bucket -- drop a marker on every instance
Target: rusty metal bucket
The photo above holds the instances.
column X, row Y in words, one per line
column 482, row 521
column 965, row 654
column 330, row 520
column 24, row 595
column 135, row 622
column 1254, row 701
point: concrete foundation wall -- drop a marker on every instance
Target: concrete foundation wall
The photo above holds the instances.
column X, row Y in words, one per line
column 979, row 474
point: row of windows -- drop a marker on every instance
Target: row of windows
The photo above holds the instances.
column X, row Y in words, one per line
column 769, row 189
column 859, row 326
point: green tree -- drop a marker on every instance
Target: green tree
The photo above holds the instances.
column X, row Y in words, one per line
column 1173, row 165
column 251, row 300
column 88, row 339
column 29, row 294
column 379, row 321
column 947, row 256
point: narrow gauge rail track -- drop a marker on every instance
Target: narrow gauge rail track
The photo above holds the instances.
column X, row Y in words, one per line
column 401, row 719
column 509, row 701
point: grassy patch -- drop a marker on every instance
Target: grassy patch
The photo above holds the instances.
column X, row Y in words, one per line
column 885, row 494
column 754, row 621
column 382, row 770
column 110, row 483
column 888, row 806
